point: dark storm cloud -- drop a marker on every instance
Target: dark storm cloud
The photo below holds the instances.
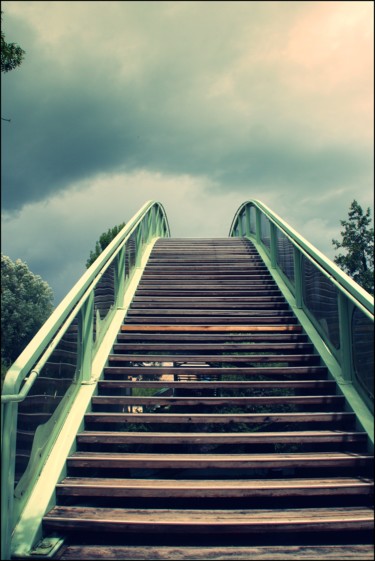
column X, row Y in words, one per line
column 75, row 117
column 63, row 131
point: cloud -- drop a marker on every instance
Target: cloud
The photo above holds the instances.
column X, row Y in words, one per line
column 113, row 95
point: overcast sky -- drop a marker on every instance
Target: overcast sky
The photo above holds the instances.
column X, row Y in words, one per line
column 198, row 105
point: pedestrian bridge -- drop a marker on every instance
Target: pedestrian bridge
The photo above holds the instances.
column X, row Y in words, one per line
column 195, row 399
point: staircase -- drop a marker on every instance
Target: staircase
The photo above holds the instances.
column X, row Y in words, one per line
column 216, row 432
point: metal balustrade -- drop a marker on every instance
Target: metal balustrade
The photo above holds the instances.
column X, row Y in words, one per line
column 341, row 312
column 41, row 385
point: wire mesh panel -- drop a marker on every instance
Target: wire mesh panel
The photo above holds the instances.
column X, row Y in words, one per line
column 242, row 219
column 285, row 253
column 265, row 231
column 252, row 220
column 52, row 384
column 105, row 291
column 320, row 299
column 130, row 255
column 363, row 351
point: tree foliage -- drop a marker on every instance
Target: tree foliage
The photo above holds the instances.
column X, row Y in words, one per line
column 358, row 241
column 104, row 240
column 26, row 303
column 11, row 54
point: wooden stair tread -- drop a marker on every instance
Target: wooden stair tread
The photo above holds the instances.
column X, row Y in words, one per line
column 202, row 312
column 207, row 371
column 203, row 328
column 183, row 401
column 220, row 418
column 219, row 461
column 217, row 384
column 200, row 484
column 179, row 488
column 243, row 274
column 228, row 457
column 221, row 437
column 203, row 521
column 207, row 299
column 213, row 320
column 208, row 308
column 244, row 347
column 218, row 553
column 213, row 358
column 153, row 292
column 185, row 337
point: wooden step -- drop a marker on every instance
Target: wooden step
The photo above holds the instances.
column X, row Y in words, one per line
column 202, row 313
column 207, row 299
column 226, row 488
column 226, row 260
column 210, row 337
column 219, row 305
column 213, row 328
column 333, row 401
column 285, row 437
column 63, row 518
column 251, row 372
column 244, row 273
column 202, row 291
column 203, row 256
column 337, row 460
column 232, row 358
column 353, row 552
column 257, row 285
column 296, row 385
column 224, row 263
column 221, row 347
column 224, row 418
column 239, row 319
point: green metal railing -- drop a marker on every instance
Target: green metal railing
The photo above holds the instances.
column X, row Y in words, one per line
column 39, row 388
column 341, row 312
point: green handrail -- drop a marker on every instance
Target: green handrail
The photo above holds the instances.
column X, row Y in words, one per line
column 303, row 261
column 148, row 223
column 345, row 282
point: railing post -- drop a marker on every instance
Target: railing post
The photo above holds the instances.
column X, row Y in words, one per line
column 157, row 222
column 149, row 226
column 8, row 456
column 247, row 220
column 138, row 246
column 345, row 337
column 298, row 277
column 273, row 245
column 120, row 276
column 161, row 223
column 86, row 330
column 240, row 227
column 258, row 230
